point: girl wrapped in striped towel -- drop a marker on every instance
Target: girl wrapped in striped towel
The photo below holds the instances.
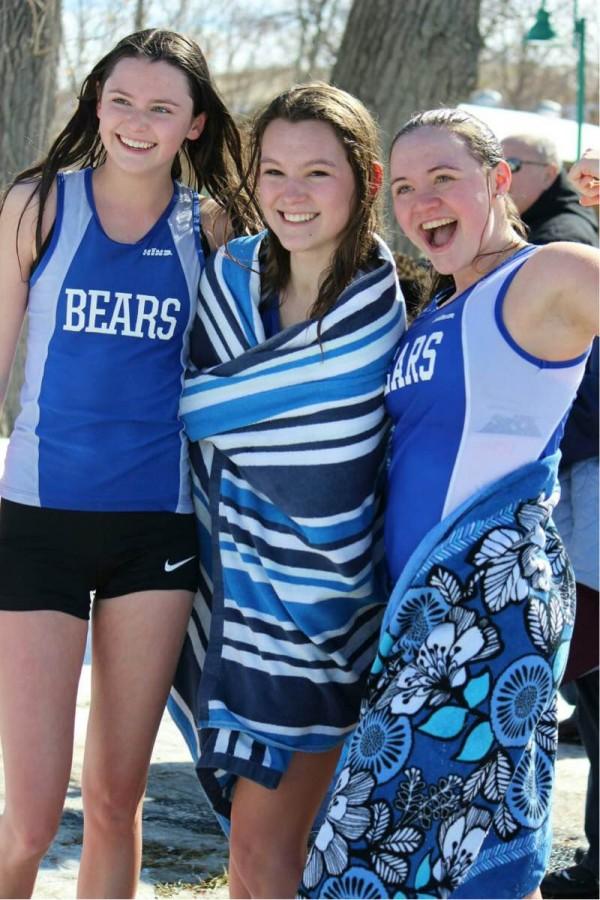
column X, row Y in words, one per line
column 295, row 330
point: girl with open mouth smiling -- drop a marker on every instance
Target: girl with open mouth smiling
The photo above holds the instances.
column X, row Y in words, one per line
column 447, row 786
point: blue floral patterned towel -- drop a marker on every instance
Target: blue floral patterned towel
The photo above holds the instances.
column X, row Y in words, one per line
column 290, row 439
column 447, row 783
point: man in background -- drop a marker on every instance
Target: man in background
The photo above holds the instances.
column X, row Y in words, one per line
column 550, row 208
column 546, row 202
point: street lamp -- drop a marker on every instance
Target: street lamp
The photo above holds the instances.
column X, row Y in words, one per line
column 543, row 31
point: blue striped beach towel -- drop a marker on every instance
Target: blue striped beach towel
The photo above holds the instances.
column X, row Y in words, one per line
column 290, row 438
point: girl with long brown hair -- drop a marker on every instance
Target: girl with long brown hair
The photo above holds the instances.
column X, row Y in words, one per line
column 295, row 329
column 103, row 246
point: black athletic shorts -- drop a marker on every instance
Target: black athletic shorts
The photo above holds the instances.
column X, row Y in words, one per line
column 54, row 558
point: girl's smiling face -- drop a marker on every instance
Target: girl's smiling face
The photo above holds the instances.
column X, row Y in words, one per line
column 145, row 113
column 444, row 200
column 306, row 186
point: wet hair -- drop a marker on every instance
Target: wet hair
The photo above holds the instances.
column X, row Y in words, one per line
column 212, row 162
column 483, row 145
column 356, row 130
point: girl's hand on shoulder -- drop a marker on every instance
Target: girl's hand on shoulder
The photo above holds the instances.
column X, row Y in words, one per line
column 585, row 177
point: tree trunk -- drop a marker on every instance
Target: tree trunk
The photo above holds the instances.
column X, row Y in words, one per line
column 400, row 57
column 139, row 18
column 30, row 33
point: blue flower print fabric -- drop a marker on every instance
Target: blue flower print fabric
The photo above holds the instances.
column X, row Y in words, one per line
column 447, row 783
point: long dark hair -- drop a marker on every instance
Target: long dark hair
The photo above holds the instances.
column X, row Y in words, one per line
column 212, row 163
column 357, row 132
column 483, row 145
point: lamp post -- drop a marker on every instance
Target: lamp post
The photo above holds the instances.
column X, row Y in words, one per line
column 542, row 31
column 579, row 35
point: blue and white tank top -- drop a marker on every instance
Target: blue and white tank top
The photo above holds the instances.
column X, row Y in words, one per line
column 468, row 406
column 107, row 348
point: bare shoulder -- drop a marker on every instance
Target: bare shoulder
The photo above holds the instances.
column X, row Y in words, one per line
column 567, row 277
column 551, row 308
column 560, row 253
column 19, row 218
column 557, row 262
column 20, row 201
column 17, row 230
column 215, row 223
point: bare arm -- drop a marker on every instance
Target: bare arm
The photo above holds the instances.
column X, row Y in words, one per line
column 552, row 308
column 17, row 242
column 575, row 299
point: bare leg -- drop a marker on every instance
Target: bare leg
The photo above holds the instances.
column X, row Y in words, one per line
column 136, row 644
column 237, row 888
column 41, row 654
column 270, row 829
column 535, row 895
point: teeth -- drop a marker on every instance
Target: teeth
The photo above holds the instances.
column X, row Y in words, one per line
column 436, row 223
column 137, row 145
column 299, row 217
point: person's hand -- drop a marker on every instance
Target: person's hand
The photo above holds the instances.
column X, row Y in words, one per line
column 585, row 177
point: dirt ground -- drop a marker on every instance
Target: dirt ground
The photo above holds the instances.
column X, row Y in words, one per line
column 185, row 854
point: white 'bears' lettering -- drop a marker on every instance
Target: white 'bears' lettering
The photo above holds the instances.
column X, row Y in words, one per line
column 101, row 312
column 416, row 361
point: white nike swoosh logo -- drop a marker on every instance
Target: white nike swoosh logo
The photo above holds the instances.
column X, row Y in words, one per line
column 170, row 567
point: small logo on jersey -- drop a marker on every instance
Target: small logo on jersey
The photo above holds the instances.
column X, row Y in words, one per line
column 522, row 425
column 155, row 251
column 444, row 316
column 170, row 567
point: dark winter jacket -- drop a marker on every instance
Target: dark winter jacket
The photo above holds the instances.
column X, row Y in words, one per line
column 557, row 215
column 580, row 440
